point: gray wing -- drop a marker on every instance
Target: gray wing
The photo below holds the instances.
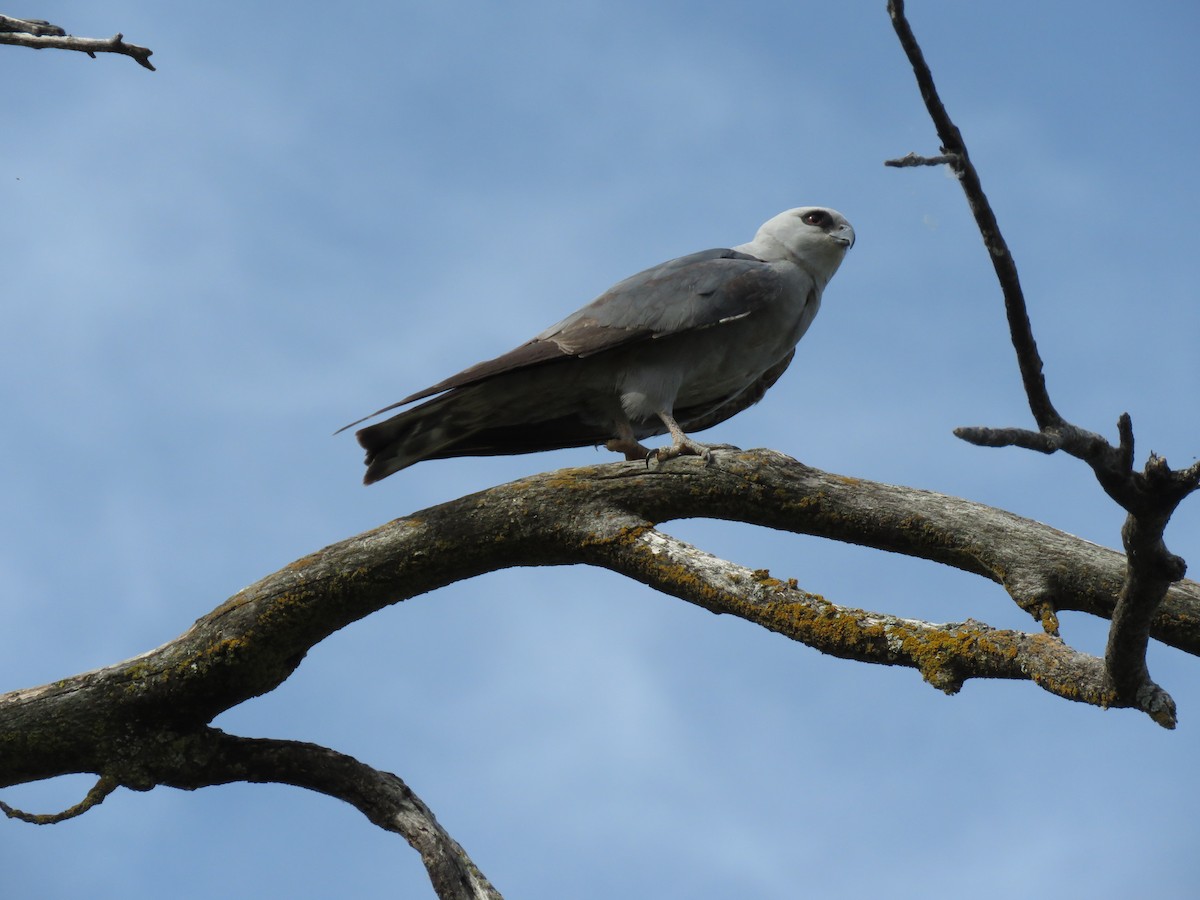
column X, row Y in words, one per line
column 694, row 291
column 690, row 292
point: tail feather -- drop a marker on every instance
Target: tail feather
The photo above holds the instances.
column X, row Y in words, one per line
column 408, row 438
column 518, row 412
column 476, row 422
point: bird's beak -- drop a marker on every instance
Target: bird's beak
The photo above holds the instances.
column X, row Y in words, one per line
column 843, row 235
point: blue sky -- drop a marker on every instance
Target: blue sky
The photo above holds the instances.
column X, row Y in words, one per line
column 300, row 218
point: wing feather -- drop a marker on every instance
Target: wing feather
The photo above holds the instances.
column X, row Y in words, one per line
column 691, row 292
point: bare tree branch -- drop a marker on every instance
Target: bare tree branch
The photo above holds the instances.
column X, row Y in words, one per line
column 955, row 149
column 210, row 757
column 252, row 642
column 1149, row 497
column 41, row 35
column 29, row 26
column 144, row 722
column 946, row 655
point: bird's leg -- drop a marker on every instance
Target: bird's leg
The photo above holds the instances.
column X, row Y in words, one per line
column 626, row 443
column 680, row 443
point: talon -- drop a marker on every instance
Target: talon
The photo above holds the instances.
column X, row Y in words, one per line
column 627, row 444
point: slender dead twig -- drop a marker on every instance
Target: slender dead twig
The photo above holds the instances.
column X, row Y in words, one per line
column 100, row 790
column 910, row 160
column 955, row 150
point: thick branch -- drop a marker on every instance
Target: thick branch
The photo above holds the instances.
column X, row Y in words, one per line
column 251, row 643
column 41, row 35
column 144, row 722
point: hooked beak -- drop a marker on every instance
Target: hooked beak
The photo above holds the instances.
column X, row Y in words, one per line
column 843, row 235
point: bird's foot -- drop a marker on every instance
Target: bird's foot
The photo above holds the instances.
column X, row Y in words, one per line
column 686, row 447
column 631, row 448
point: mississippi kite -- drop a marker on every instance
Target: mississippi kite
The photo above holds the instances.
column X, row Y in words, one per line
column 676, row 348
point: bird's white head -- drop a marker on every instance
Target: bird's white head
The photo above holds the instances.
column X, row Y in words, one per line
column 813, row 237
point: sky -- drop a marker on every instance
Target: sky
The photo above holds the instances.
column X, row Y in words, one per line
column 304, row 216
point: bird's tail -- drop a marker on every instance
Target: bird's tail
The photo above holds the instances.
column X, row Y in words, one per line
column 517, row 413
column 408, row 438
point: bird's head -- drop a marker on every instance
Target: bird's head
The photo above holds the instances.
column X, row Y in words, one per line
column 813, row 237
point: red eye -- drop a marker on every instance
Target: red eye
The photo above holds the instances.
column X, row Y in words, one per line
column 818, row 218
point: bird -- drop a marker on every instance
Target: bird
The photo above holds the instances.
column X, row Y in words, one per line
column 676, row 348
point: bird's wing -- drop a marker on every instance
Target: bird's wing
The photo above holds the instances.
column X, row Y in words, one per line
column 690, row 292
column 695, row 291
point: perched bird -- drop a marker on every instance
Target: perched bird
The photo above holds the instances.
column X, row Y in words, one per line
column 676, row 348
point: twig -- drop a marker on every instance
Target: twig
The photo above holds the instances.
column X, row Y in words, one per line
column 45, row 36
column 100, row 790
column 1149, row 497
column 909, row 160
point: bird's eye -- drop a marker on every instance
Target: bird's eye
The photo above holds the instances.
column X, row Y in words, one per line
column 819, row 217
